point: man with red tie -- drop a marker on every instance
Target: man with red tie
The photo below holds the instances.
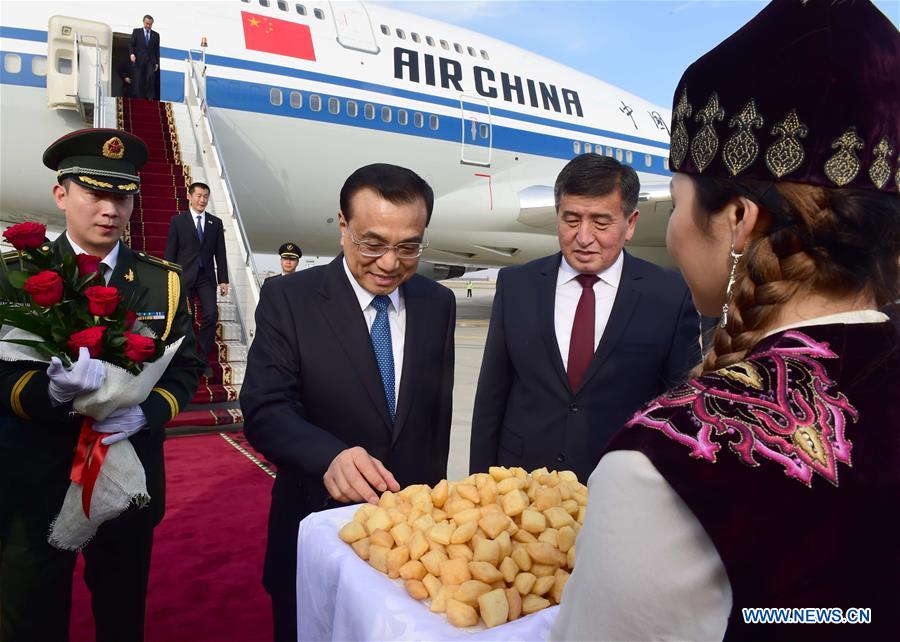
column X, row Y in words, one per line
column 581, row 339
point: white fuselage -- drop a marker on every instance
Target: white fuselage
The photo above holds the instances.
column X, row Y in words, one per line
column 488, row 131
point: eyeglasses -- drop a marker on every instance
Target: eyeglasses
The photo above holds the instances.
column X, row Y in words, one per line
column 374, row 250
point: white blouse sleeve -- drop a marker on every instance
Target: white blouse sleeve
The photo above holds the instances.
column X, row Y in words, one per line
column 645, row 567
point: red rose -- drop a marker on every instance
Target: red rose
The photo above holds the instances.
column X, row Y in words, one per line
column 45, row 288
column 26, row 236
column 87, row 264
column 130, row 318
column 92, row 339
column 138, row 348
column 102, row 301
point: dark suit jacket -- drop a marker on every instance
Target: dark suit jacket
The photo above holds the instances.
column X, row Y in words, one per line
column 526, row 415
column 144, row 53
column 312, row 389
column 36, row 446
column 184, row 248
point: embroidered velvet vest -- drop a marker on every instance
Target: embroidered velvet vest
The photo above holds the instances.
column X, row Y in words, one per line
column 790, row 460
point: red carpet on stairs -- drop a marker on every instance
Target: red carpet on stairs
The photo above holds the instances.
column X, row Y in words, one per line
column 205, row 577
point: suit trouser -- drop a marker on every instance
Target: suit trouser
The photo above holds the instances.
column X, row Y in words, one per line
column 145, row 80
column 36, row 579
column 205, row 290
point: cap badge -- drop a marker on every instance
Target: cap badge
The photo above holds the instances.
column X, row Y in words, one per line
column 114, row 148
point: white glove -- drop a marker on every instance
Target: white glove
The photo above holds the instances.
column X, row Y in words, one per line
column 85, row 375
column 122, row 423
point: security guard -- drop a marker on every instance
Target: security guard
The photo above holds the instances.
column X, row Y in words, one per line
column 97, row 174
column 290, row 259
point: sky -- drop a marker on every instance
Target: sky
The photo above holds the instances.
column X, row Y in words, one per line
column 642, row 46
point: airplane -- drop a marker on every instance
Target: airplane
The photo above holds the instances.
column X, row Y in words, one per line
column 301, row 93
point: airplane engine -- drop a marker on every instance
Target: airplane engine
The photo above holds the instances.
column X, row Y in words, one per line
column 440, row 271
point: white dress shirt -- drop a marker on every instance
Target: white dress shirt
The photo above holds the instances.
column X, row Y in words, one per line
column 568, row 292
column 396, row 319
column 646, row 568
column 109, row 260
column 202, row 216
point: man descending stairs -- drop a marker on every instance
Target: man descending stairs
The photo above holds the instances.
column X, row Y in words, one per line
column 164, row 182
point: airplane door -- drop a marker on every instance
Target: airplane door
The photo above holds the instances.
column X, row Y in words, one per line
column 353, row 27
column 477, row 132
column 72, row 48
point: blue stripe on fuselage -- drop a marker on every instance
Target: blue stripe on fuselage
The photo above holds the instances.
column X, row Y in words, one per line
column 279, row 70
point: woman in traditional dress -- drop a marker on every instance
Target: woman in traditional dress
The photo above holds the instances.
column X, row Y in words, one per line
column 772, row 478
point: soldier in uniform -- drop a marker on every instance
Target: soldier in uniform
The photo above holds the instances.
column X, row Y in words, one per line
column 290, row 258
column 97, row 175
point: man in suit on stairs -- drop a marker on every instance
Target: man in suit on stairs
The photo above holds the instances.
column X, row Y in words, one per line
column 143, row 50
column 195, row 239
column 580, row 339
column 349, row 380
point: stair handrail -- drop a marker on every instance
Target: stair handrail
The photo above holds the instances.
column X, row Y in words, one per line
column 200, row 93
column 98, row 115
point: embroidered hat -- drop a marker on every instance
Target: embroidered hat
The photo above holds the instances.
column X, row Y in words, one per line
column 107, row 160
column 808, row 91
column 290, row 251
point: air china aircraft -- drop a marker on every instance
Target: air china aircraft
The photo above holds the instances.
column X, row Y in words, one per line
column 302, row 93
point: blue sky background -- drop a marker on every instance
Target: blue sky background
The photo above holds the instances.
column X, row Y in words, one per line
column 642, row 46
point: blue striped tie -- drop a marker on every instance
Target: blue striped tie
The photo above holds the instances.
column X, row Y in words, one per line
column 384, row 351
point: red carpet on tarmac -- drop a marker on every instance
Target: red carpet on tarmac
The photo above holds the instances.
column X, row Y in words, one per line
column 205, row 576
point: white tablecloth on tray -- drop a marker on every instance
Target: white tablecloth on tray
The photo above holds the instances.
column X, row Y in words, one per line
column 341, row 597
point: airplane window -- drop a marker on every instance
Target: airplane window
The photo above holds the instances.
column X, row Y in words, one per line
column 648, row 160
column 415, row 37
column 429, row 40
column 334, row 106
column 576, row 147
column 275, row 96
column 63, row 65
column 301, row 9
column 619, row 155
column 315, row 102
column 418, row 120
column 296, row 99
column 609, row 151
column 12, row 63
column 318, row 13
column 587, row 148
column 385, row 30
column 629, row 157
column 402, row 117
column 401, row 34
column 352, row 108
column 386, row 114
column 282, row 5
column 264, row 3
column 483, row 130
column 39, row 65
column 433, row 122
column 471, row 51
column 247, row 1
column 485, row 55
column 445, row 44
column 369, row 111
column 458, row 47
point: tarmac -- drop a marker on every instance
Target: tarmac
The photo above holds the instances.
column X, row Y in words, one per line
column 472, row 318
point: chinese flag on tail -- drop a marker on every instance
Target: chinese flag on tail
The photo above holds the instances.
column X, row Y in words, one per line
column 282, row 37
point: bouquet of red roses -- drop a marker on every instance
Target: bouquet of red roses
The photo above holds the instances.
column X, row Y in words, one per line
column 68, row 306
column 53, row 309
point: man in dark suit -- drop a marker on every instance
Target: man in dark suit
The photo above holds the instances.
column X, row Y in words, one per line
column 143, row 50
column 97, row 175
column 196, row 237
column 579, row 340
column 349, row 380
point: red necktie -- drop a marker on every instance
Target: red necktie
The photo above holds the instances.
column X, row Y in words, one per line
column 581, row 345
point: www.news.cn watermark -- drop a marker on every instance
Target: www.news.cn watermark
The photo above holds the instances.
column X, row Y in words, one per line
column 831, row 615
